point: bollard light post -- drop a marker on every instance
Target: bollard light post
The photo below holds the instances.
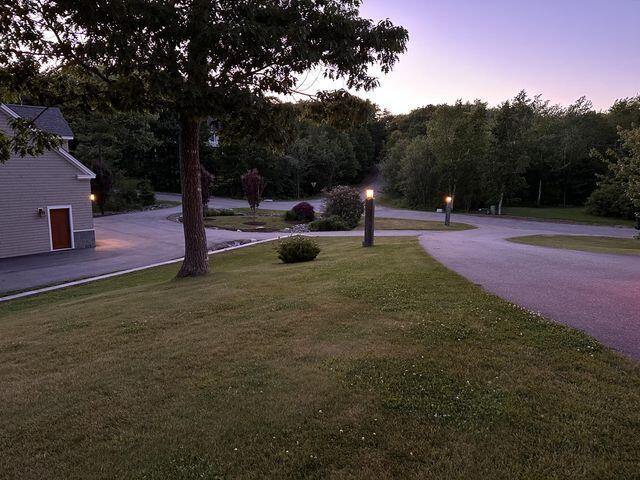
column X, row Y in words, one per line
column 368, row 219
column 447, row 215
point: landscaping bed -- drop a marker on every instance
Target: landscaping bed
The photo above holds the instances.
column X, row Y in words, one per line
column 363, row 363
column 274, row 221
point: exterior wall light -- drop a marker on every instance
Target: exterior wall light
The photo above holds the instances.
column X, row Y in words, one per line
column 92, row 197
column 368, row 219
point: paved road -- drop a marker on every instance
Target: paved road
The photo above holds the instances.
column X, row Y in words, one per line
column 597, row 293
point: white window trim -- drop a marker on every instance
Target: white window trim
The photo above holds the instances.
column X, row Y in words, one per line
column 86, row 230
column 71, row 230
column 86, row 173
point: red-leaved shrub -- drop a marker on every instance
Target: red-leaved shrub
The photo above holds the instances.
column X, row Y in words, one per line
column 304, row 212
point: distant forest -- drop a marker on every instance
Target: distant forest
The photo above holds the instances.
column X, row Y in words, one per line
column 525, row 151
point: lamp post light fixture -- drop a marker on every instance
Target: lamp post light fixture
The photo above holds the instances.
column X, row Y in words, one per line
column 368, row 218
column 447, row 215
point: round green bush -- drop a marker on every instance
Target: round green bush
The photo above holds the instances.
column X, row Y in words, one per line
column 609, row 200
column 297, row 249
column 344, row 202
column 328, row 224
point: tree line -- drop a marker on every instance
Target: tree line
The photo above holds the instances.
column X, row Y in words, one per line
column 525, row 151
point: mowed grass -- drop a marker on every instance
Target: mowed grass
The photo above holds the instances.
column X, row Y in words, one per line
column 247, row 223
column 273, row 221
column 366, row 363
column 565, row 214
column 621, row 246
column 408, row 224
column 570, row 214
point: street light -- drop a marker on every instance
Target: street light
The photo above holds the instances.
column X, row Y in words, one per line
column 368, row 218
column 447, row 215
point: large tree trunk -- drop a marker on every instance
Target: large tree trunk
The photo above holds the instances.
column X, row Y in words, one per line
column 196, row 261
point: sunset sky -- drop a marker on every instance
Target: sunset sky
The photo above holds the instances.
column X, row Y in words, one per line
column 491, row 49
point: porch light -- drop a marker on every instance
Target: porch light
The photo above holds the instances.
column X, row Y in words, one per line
column 92, row 197
column 369, row 193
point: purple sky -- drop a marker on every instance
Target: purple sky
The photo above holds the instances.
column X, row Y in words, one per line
column 491, row 49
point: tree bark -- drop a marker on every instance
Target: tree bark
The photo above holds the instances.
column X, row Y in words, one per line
column 196, row 261
column 539, row 200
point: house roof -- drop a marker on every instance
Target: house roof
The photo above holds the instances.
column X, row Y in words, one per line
column 51, row 123
column 48, row 119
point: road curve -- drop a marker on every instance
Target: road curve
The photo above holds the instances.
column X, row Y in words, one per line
column 596, row 293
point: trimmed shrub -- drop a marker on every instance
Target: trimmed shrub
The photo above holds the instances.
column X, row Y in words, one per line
column 345, row 203
column 609, row 200
column 304, row 212
column 328, row 224
column 297, row 249
column 219, row 212
column 145, row 193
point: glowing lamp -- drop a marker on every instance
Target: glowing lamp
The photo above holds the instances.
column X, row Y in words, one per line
column 369, row 193
column 448, row 199
column 92, row 197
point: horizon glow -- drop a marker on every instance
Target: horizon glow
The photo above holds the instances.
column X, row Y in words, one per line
column 490, row 50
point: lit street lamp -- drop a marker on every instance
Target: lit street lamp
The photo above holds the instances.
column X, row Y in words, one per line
column 368, row 219
column 447, row 215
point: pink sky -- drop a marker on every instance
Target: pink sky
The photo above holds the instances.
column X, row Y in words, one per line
column 492, row 49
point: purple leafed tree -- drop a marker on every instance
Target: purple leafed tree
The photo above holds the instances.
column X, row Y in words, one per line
column 253, row 185
column 206, row 180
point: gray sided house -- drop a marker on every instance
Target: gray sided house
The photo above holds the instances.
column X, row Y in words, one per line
column 45, row 201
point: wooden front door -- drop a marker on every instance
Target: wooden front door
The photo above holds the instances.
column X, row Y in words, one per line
column 60, row 228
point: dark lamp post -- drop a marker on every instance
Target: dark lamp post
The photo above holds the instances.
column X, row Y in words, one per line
column 447, row 215
column 368, row 219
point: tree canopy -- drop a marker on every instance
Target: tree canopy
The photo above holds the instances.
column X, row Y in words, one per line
column 199, row 59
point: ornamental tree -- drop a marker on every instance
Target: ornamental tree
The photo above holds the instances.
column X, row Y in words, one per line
column 198, row 58
column 253, row 185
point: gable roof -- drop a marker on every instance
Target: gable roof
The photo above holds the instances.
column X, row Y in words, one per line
column 48, row 119
column 86, row 173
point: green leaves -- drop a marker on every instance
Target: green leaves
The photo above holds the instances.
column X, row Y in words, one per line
column 205, row 57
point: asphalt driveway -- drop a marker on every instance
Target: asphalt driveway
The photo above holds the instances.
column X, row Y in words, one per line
column 123, row 241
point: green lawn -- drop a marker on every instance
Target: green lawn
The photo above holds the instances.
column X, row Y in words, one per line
column 567, row 214
column 247, row 223
column 273, row 221
column 406, row 224
column 624, row 246
column 366, row 363
column 571, row 214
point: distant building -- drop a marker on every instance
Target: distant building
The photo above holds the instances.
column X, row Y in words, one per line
column 45, row 201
